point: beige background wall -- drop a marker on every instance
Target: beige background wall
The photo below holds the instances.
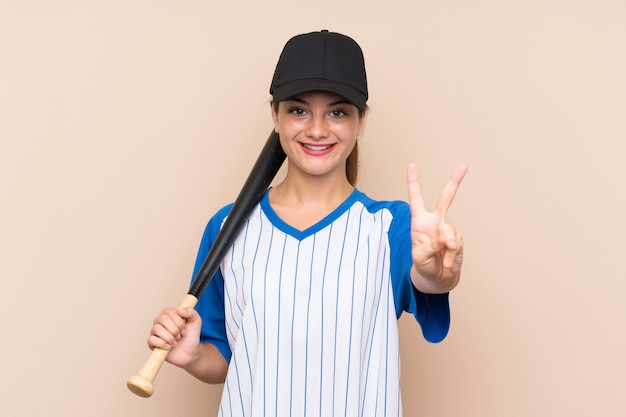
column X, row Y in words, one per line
column 125, row 124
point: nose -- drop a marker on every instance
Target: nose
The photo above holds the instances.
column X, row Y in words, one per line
column 317, row 127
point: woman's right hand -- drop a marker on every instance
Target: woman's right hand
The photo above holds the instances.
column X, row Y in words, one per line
column 177, row 330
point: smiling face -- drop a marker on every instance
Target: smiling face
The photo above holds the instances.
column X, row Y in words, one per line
column 318, row 131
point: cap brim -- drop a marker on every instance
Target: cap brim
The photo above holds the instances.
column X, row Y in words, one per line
column 296, row 87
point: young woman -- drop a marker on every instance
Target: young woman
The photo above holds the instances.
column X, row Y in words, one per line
column 301, row 318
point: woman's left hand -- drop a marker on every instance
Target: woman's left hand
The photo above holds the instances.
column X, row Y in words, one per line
column 437, row 245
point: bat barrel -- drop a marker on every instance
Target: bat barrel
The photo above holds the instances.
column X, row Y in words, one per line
column 265, row 169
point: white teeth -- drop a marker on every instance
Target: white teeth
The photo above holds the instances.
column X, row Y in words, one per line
column 316, row 147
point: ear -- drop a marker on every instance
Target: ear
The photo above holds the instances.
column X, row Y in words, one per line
column 274, row 117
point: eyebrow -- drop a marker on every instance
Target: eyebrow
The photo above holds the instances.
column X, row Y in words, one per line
column 302, row 101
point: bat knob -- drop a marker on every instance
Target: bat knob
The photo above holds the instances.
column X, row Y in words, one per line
column 140, row 386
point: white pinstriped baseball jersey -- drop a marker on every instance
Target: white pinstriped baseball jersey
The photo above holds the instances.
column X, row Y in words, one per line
column 308, row 319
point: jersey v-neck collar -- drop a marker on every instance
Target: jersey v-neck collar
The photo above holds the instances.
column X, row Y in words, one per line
column 280, row 224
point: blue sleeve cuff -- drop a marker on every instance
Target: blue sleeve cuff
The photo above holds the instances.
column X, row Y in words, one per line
column 432, row 311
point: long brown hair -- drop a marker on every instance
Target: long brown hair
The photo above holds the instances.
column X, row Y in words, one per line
column 352, row 163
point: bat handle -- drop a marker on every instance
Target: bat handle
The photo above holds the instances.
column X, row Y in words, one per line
column 142, row 384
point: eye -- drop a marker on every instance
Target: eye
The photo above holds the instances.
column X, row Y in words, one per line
column 297, row 111
column 337, row 113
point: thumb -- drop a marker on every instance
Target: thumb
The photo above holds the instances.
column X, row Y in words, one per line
column 424, row 252
column 189, row 314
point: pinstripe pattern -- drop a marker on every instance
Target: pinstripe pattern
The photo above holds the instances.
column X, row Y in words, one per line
column 310, row 317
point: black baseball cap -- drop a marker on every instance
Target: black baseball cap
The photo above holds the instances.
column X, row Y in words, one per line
column 324, row 60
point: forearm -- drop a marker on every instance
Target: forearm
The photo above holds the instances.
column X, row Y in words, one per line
column 208, row 365
column 434, row 286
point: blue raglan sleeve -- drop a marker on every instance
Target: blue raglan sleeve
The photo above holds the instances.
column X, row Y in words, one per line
column 210, row 304
column 432, row 311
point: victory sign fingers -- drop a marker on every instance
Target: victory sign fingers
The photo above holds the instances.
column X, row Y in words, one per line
column 437, row 244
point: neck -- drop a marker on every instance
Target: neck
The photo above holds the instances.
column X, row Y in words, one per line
column 300, row 188
column 303, row 201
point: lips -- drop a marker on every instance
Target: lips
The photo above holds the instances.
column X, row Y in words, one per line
column 317, row 148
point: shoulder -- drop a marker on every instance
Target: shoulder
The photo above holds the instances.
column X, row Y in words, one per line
column 215, row 224
column 397, row 215
column 398, row 209
column 221, row 214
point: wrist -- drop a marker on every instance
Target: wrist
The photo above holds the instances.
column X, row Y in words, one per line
column 434, row 285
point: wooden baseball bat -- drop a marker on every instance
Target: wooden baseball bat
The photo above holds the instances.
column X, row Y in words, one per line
column 263, row 172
